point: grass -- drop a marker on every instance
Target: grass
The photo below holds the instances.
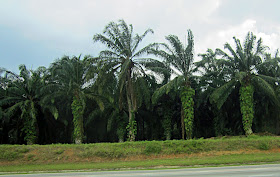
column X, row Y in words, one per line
column 178, row 162
column 146, row 154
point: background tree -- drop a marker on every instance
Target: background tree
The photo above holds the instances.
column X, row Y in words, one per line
column 72, row 79
column 212, row 121
column 24, row 93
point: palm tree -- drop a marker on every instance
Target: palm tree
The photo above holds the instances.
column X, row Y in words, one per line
column 72, row 79
column 125, row 59
column 214, row 73
column 243, row 70
column 24, row 93
column 180, row 59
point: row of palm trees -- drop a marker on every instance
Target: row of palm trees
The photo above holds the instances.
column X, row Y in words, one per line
column 124, row 81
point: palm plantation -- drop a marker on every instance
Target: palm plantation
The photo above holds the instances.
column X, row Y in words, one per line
column 154, row 91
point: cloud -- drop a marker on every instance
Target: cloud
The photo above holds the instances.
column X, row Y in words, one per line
column 226, row 34
column 67, row 26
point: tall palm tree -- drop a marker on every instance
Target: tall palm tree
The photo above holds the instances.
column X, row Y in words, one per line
column 72, row 79
column 24, row 93
column 180, row 59
column 125, row 59
column 243, row 65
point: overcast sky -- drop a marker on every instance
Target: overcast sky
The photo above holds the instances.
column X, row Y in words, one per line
column 36, row 32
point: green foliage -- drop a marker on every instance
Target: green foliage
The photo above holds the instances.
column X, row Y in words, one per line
column 167, row 123
column 247, row 107
column 152, row 148
column 8, row 155
column 29, row 130
column 131, row 129
column 264, row 146
column 36, row 105
column 172, row 85
column 23, row 150
column 59, row 151
column 123, row 58
column 188, row 108
column 77, row 111
column 220, row 95
column 23, row 95
column 71, row 80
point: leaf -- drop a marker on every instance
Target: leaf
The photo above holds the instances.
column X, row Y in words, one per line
column 265, row 88
column 174, row 84
column 220, row 95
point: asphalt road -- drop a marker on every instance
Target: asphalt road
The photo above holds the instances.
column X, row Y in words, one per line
column 235, row 171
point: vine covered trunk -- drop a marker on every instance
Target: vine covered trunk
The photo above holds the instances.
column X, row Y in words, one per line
column 167, row 122
column 77, row 111
column 29, row 128
column 187, row 110
column 247, row 107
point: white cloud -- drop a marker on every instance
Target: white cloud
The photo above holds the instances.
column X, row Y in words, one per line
column 220, row 36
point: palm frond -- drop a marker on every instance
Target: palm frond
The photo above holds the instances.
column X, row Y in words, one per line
column 174, row 84
column 239, row 76
column 97, row 99
column 104, row 40
column 220, row 95
column 137, row 39
column 145, row 50
column 265, row 88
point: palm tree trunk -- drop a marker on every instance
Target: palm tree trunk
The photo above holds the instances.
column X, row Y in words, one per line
column 131, row 119
column 77, row 111
column 247, row 107
column 131, row 102
column 30, row 131
column 187, row 111
column 182, row 123
column 30, row 126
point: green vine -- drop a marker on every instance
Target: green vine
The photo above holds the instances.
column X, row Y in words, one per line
column 187, row 106
column 77, row 111
column 29, row 121
column 167, row 123
column 247, row 107
column 132, row 128
column 29, row 130
column 121, row 130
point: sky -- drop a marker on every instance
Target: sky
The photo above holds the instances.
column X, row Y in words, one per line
column 36, row 33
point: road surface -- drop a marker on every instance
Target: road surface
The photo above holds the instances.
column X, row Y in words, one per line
column 233, row 171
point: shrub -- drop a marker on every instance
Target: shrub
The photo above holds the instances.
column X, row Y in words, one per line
column 264, row 146
column 152, row 148
column 9, row 155
column 58, row 152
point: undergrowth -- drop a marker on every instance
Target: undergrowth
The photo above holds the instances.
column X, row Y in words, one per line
column 56, row 152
